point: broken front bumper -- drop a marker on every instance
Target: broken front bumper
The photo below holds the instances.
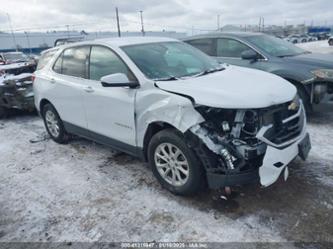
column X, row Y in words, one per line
column 279, row 155
column 276, row 160
column 281, row 150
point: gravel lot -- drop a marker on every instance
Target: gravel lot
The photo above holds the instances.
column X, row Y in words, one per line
column 86, row 192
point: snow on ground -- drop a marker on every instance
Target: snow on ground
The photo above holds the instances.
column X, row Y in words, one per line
column 86, row 192
column 317, row 47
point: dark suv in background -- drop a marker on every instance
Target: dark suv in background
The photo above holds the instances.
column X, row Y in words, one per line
column 311, row 73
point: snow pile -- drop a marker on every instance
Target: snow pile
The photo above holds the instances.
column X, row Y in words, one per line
column 317, row 47
column 14, row 66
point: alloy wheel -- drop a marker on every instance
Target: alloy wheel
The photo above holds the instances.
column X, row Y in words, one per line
column 172, row 164
column 52, row 123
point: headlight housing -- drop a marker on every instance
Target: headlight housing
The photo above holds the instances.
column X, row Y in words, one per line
column 295, row 104
column 323, row 74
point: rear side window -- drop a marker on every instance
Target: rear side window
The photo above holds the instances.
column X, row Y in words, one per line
column 230, row 48
column 205, row 45
column 103, row 62
column 73, row 62
column 45, row 58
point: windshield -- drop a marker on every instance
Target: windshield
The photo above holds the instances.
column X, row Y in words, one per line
column 15, row 56
column 170, row 60
column 275, row 46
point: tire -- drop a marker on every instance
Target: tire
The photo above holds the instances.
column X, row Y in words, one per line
column 330, row 42
column 194, row 182
column 3, row 112
column 54, row 125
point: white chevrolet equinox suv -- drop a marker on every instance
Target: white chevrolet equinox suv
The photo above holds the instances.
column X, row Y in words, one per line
column 198, row 123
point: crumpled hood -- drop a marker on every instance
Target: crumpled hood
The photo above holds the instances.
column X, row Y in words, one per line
column 234, row 87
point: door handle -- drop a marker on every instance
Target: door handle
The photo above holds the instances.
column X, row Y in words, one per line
column 88, row 89
column 52, row 81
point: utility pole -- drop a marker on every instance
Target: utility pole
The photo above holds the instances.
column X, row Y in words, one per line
column 118, row 25
column 218, row 22
column 67, row 30
column 12, row 31
column 259, row 24
column 263, row 24
column 142, row 26
column 26, row 33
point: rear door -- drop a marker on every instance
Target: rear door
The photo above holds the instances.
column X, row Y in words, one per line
column 109, row 110
column 70, row 73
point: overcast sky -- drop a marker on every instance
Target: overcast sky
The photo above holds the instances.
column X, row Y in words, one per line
column 180, row 15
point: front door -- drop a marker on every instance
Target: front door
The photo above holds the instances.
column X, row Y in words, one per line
column 109, row 110
column 230, row 51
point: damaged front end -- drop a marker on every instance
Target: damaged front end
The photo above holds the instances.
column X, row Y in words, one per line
column 16, row 92
column 238, row 147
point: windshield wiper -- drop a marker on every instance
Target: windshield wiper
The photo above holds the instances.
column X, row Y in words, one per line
column 171, row 78
column 209, row 71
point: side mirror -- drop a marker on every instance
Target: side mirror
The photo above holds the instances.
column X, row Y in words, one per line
column 250, row 55
column 118, row 80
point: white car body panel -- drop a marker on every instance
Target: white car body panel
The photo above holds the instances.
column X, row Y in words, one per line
column 110, row 111
column 65, row 92
column 234, row 87
column 155, row 105
column 268, row 172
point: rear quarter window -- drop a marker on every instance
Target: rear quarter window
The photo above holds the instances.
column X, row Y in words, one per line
column 45, row 58
column 73, row 62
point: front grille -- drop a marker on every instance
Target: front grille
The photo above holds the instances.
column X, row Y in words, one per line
column 282, row 125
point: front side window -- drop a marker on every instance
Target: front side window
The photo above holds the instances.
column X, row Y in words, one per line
column 103, row 62
column 73, row 62
column 230, row 48
column 164, row 60
column 275, row 46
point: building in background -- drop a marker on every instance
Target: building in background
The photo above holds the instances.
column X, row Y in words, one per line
column 35, row 42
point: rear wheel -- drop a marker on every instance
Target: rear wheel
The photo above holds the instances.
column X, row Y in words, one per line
column 330, row 42
column 54, row 124
column 174, row 164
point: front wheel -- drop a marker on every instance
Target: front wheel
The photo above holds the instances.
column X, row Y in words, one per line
column 54, row 125
column 174, row 164
column 330, row 42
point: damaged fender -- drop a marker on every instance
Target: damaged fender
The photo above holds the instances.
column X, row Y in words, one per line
column 155, row 105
